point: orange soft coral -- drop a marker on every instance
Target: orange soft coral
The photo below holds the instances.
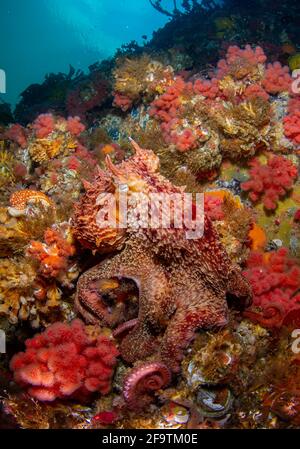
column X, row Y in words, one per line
column 53, row 254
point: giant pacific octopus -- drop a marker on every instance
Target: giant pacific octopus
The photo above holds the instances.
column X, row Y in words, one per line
column 183, row 284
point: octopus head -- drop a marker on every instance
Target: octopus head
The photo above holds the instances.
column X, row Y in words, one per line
column 99, row 219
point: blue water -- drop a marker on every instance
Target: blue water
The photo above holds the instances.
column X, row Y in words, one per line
column 44, row 36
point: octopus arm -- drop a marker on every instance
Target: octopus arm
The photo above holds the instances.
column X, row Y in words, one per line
column 239, row 288
column 155, row 304
column 209, row 311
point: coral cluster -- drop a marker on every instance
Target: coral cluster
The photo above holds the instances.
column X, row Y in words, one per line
column 270, row 181
column 53, row 254
column 50, row 139
column 65, row 361
column 275, row 281
column 292, row 126
column 139, row 78
column 232, row 114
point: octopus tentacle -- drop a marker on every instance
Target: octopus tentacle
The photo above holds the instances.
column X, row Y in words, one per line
column 154, row 310
column 125, row 327
column 142, row 382
column 183, row 326
column 272, row 315
column 154, row 300
column 140, row 343
column 89, row 300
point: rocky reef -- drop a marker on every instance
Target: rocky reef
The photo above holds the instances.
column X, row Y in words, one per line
column 147, row 316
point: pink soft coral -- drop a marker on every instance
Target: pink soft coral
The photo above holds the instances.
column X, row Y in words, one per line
column 43, row 125
column 184, row 139
column 291, row 125
column 65, row 361
column 207, row 88
column 167, row 105
column 17, row 134
column 275, row 281
column 122, row 101
column 294, row 105
column 270, row 181
column 75, row 126
column 167, row 109
column 248, row 56
column 277, row 78
column 255, row 91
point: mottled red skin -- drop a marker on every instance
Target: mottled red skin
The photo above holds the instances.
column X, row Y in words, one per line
column 182, row 283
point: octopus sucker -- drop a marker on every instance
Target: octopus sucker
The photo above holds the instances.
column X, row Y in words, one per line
column 142, row 382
